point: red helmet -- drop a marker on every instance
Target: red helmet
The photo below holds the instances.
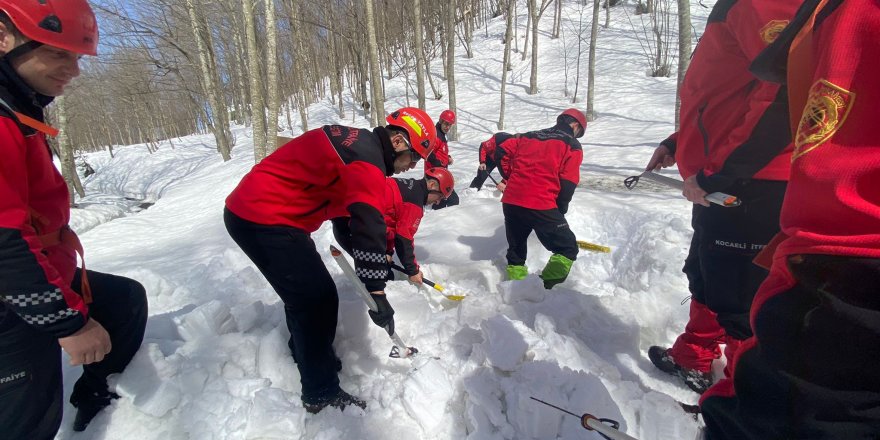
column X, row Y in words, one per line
column 65, row 24
column 419, row 127
column 448, row 116
column 578, row 116
column 444, row 178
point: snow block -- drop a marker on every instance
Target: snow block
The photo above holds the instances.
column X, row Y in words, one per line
column 427, row 391
column 248, row 315
column 274, row 416
column 505, row 348
column 146, row 381
column 208, row 319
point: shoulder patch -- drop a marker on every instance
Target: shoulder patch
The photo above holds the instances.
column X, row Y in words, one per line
column 827, row 108
column 772, row 29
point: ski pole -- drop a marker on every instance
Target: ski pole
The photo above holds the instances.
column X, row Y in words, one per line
column 362, row 291
column 436, row 286
column 718, row 198
column 607, row 428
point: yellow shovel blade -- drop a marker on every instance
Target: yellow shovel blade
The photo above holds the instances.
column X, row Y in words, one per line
column 593, row 247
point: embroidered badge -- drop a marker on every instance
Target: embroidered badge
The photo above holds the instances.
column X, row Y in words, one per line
column 772, row 30
column 827, row 108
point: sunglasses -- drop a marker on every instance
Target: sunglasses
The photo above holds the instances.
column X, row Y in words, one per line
column 414, row 156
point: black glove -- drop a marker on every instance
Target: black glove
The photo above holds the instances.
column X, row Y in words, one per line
column 384, row 314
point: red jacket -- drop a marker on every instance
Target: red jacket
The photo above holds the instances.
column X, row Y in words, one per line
column 542, row 168
column 832, row 204
column 439, row 156
column 732, row 125
column 404, row 207
column 487, row 149
column 34, row 279
column 326, row 173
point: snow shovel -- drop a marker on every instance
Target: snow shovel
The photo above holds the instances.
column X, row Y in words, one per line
column 430, row 283
column 586, row 245
column 718, row 198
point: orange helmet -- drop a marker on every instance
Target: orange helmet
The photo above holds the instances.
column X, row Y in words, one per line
column 418, row 126
column 448, row 116
column 65, row 24
column 444, row 178
column 578, row 116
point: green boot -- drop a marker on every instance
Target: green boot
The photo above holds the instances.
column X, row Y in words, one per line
column 556, row 270
column 517, row 272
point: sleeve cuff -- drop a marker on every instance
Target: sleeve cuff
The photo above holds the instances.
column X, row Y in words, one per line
column 715, row 182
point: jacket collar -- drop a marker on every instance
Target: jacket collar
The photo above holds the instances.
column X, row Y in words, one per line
column 388, row 154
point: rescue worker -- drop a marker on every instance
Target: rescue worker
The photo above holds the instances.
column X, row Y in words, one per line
column 326, row 173
column 440, row 157
column 810, row 371
column 541, row 169
column 487, row 161
column 733, row 140
column 405, row 201
column 46, row 303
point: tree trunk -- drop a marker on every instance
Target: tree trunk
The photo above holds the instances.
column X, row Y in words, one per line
column 557, row 19
column 684, row 52
column 258, row 104
column 419, row 50
column 272, row 73
column 65, row 153
column 450, row 62
column 508, row 35
column 377, row 115
column 533, row 77
column 219, row 122
column 591, row 75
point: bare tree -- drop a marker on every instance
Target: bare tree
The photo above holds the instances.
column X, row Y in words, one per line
column 272, row 72
column 450, row 61
column 684, row 52
column 505, row 65
column 218, row 117
column 419, row 51
column 258, row 105
column 65, row 152
column 378, row 107
column 591, row 75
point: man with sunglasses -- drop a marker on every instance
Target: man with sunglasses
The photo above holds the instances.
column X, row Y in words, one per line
column 327, row 173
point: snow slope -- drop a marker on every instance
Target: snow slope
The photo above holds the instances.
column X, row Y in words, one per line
column 215, row 364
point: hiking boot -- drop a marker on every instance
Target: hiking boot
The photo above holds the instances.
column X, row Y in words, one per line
column 88, row 404
column 696, row 380
column 340, row 400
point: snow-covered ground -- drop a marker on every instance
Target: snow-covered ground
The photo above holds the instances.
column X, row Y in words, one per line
column 215, row 363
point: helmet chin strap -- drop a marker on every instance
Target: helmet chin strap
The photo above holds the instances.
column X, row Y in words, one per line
column 22, row 49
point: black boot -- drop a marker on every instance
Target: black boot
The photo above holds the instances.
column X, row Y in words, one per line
column 88, row 403
column 696, row 380
column 340, row 400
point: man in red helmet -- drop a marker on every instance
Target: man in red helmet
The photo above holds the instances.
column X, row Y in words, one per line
column 405, row 200
column 542, row 169
column 732, row 139
column 487, row 161
column 439, row 157
column 46, row 302
column 332, row 172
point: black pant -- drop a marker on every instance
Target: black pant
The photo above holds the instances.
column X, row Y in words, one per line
column 549, row 225
column 482, row 175
column 30, row 360
column 813, row 373
column 287, row 257
column 719, row 264
column 452, row 200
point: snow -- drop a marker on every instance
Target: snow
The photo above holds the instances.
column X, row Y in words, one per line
column 215, row 362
